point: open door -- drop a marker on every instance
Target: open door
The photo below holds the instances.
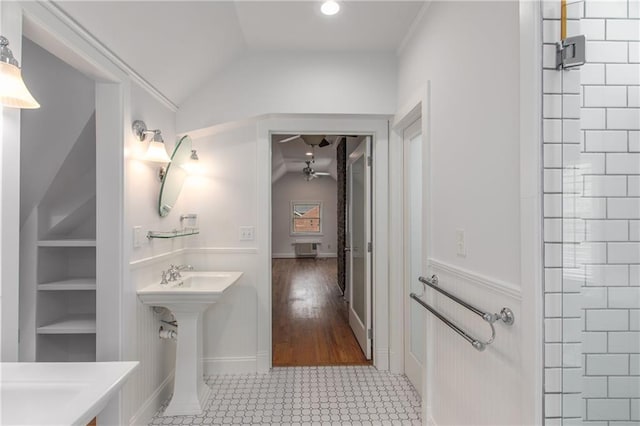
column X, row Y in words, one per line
column 359, row 244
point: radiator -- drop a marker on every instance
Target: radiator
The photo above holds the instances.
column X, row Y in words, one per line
column 306, row 249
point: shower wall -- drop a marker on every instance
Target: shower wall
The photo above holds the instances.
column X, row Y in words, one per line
column 592, row 217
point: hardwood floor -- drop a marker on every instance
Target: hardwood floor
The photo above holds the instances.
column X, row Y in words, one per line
column 310, row 317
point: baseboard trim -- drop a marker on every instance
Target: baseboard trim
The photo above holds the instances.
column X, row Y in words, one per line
column 229, row 365
column 145, row 413
column 381, row 359
column 293, row 255
column 263, row 364
column 497, row 286
column 430, row 421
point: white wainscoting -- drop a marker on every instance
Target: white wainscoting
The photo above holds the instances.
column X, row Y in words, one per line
column 470, row 387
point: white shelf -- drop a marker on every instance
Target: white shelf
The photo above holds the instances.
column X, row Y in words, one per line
column 70, row 284
column 67, row 243
column 71, row 324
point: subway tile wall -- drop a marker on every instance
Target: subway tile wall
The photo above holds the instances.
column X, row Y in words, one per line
column 591, row 136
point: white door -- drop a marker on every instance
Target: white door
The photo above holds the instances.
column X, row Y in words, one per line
column 359, row 239
column 414, row 321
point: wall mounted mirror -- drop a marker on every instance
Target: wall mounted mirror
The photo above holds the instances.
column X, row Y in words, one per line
column 175, row 176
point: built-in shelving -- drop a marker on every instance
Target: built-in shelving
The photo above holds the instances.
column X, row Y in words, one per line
column 71, row 324
column 67, row 243
column 69, row 285
column 172, row 234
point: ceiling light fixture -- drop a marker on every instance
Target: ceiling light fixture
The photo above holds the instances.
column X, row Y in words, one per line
column 13, row 91
column 309, row 154
column 330, row 7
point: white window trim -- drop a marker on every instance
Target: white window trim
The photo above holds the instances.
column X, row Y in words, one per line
column 291, row 227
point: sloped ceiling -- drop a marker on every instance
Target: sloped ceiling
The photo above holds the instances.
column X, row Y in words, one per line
column 177, row 46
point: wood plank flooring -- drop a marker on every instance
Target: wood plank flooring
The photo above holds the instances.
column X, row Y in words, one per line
column 310, row 317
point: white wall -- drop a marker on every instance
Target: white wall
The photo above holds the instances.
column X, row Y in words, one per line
column 473, row 173
column 295, row 82
column 292, row 187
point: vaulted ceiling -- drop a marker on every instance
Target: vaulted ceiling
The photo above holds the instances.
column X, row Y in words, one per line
column 177, row 46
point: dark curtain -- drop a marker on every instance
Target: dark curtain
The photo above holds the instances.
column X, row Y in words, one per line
column 341, row 160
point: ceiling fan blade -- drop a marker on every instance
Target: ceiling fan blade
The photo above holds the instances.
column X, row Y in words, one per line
column 324, row 143
column 289, row 139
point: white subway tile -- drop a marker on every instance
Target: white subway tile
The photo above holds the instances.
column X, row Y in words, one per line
column 553, row 305
column 571, row 131
column 552, row 81
column 553, row 330
column 607, row 320
column 634, row 96
column 594, row 297
column 573, row 279
column 594, row 342
column 623, row 253
column 606, row 51
column 624, row 387
column 623, row 208
column 553, row 280
column 634, row 141
column 591, row 74
column 552, row 130
column 552, row 255
column 614, row 364
column 552, row 181
column 623, row 74
column 549, row 56
column 551, row 31
column 591, row 163
column 634, row 319
column 552, row 155
column 572, row 380
column 634, row 226
column 605, row 96
column 575, row 12
column 634, row 275
column 605, row 186
column 550, row 9
column 608, row 409
column 553, row 355
column 552, row 205
column 593, row 29
column 634, row 8
column 572, row 403
column 552, row 405
column 573, row 230
column 594, row 387
column 624, row 297
column 571, row 81
column 607, row 230
column 635, row 409
column 624, row 342
column 590, row 252
column 587, row 208
column 628, row 118
column 634, row 364
column 571, row 106
column 623, row 29
column 634, row 52
column 572, row 331
column 633, row 186
column 606, row 141
column 552, row 106
column 553, row 380
column 606, row 9
column 572, row 354
column 593, row 118
column 553, row 230
column 572, row 306
column 623, row 164
column 607, row 275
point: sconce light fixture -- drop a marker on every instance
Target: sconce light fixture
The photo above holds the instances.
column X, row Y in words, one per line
column 156, row 151
column 194, row 155
column 13, row 91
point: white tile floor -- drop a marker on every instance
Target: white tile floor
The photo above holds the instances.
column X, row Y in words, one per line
column 353, row 395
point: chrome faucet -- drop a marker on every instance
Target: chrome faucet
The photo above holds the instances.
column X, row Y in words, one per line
column 174, row 271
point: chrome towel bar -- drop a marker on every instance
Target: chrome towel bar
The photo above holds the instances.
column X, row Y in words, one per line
column 506, row 315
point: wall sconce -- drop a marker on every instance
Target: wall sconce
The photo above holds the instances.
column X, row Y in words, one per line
column 13, row 91
column 156, row 150
column 194, row 155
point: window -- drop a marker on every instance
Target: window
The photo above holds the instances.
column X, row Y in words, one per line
column 306, row 217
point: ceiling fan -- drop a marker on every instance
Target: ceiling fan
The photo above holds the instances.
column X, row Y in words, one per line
column 309, row 173
column 311, row 140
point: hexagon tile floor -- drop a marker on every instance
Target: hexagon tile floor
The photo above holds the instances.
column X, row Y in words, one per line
column 349, row 395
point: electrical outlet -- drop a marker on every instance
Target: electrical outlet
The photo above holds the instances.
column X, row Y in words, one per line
column 137, row 236
column 247, row 233
column 461, row 245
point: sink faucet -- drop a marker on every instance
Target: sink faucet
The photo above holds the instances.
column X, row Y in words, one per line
column 174, row 271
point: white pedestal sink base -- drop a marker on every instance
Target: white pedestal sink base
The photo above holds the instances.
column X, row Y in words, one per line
column 190, row 392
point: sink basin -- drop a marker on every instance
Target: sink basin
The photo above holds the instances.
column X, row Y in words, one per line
column 187, row 299
column 69, row 393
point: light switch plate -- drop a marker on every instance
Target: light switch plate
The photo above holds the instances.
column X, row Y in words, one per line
column 461, row 244
column 137, row 236
column 247, row 233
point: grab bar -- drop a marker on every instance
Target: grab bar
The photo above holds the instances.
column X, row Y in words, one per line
column 506, row 314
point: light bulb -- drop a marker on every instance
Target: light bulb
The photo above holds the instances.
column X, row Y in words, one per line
column 330, row 7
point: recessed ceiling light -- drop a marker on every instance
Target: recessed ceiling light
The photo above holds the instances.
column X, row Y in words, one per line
column 330, row 7
column 309, row 154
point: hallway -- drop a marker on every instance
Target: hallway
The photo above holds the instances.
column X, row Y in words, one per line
column 310, row 318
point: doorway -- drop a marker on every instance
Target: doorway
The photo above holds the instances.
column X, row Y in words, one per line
column 314, row 321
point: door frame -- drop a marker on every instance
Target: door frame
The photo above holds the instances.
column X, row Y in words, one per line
column 376, row 126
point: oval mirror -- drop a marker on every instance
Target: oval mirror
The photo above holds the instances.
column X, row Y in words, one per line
column 174, row 176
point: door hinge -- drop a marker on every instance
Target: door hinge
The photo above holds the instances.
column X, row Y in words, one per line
column 370, row 334
column 369, row 247
column 570, row 52
column 369, row 161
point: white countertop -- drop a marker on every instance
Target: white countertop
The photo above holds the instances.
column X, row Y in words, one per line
column 65, row 393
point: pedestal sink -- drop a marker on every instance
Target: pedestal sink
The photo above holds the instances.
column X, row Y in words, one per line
column 188, row 298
